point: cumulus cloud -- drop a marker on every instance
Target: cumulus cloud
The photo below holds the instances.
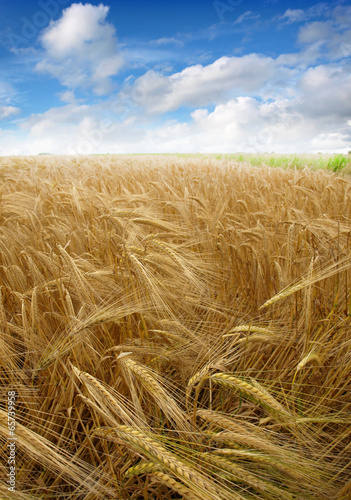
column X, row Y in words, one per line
column 297, row 102
column 81, row 49
column 244, row 123
column 201, row 85
column 326, row 91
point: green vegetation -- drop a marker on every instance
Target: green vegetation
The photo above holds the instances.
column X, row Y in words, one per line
column 337, row 163
column 333, row 162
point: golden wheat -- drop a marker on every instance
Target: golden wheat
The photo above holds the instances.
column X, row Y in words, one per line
column 190, row 312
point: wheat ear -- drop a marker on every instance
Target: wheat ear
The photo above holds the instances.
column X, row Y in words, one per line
column 247, row 477
column 142, row 442
column 255, row 391
column 141, row 468
column 175, row 485
column 148, row 379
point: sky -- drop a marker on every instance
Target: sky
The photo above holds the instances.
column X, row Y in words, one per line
column 157, row 76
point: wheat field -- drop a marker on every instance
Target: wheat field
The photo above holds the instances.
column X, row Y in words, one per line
column 175, row 328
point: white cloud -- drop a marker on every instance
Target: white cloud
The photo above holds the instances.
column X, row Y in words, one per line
column 7, row 111
column 167, row 41
column 300, row 15
column 62, row 119
column 329, row 38
column 326, row 91
column 200, row 85
column 293, row 15
column 245, row 124
column 246, row 16
column 81, row 49
column 317, row 31
column 297, row 102
column 8, row 97
column 68, row 97
column 342, row 15
column 283, row 125
column 7, row 93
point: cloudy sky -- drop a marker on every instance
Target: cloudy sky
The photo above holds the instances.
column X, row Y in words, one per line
column 175, row 76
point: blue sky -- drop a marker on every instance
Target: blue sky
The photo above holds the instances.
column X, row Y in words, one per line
column 141, row 77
